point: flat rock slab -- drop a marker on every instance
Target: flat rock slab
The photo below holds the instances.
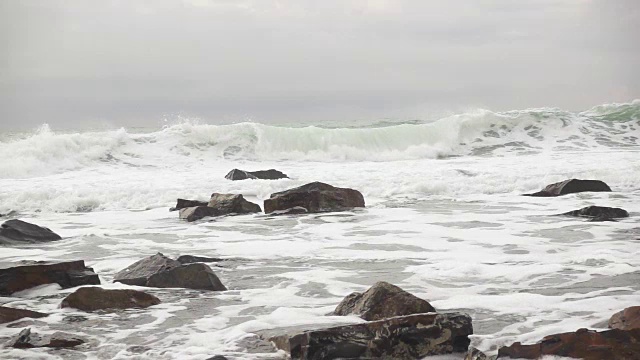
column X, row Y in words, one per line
column 35, row 273
column 583, row 344
column 8, row 314
column 271, row 174
column 571, row 186
column 95, row 298
column 406, row 337
column 21, row 232
column 314, row 197
column 626, row 319
column 382, row 300
column 162, row 272
column 26, row 340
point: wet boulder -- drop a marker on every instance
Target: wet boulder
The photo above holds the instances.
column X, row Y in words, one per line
column 582, row 344
column 314, row 197
column 183, row 203
column 29, row 274
column 26, row 340
column 162, row 272
column 476, row 354
column 196, row 276
column 21, row 232
column 382, row 300
column 405, row 337
column 601, row 212
column 197, row 212
column 571, row 186
column 271, row 174
column 218, row 205
column 95, row 298
column 626, row 319
column 8, row 314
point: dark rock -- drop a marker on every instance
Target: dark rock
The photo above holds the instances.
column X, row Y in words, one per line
column 26, row 340
column 602, row 218
column 196, row 276
column 626, row 319
column 315, row 197
column 382, row 301
column 232, row 204
column 475, row 354
column 196, row 213
column 18, row 231
column 583, row 344
column 139, row 272
column 182, row 203
column 407, row 337
column 571, row 186
column 8, row 314
column 29, row 274
column 189, row 259
column 96, row 298
column 270, row 174
column 600, row 212
column 162, row 272
column 218, row 357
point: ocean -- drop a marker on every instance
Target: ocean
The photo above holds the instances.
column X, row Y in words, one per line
column 444, row 220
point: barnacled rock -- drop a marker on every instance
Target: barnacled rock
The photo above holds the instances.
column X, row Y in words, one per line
column 626, row 319
column 96, row 298
column 406, row 337
column 21, row 232
column 314, row 197
column 26, row 340
column 270, row 174
column 29, row 274
column 8, row 314
column 570, row 187
column 583, row 344
column 382, row 300
column 183, row 203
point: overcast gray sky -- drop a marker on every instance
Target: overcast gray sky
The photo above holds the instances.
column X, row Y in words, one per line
column 82, row 63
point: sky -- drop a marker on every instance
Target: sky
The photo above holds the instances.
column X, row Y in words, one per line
column 137, row 63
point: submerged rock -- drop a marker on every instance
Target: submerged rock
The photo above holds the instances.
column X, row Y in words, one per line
column 183, row 203
column 570, row 187
column 582, row 344
column 382, row 300
column 475, row 354
column 189, row 259
column 271, row 174
column 26, row 340
column 162, row 272
column 406, row 337
column 314, row 197
column 96, row 298
column 218, row 205
column 30, row 274
column 18, row 231
column 601, row 212
column 8, row 314
column 626, row 319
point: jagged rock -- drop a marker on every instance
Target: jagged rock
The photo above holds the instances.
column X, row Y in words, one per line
column 35, row 273
column 8, row 314
column 26, row 340
column 96, row 298
column 583, row 344
column 406, row 337
column 381, row 301
column 19, row 232
column 161, row 272
column 270, row 174
column 218, row 205
column 183, row 203
column 196, row 276
column 475, row 354
column 570, row 187
column 139, row 272
column 626, row 319
column 314, row 197
column 189, row 259
column 599, row 212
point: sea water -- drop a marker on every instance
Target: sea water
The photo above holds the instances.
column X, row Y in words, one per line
column 444, row 220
